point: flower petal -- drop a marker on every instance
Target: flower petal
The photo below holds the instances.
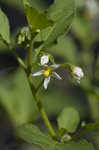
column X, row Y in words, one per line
column 77, row 72
column 55, row 66
column 46, row 82
column 57, row 76
column 44, row 60
column 39, row 73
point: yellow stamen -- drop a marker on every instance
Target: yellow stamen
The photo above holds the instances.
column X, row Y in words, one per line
column 47, row 72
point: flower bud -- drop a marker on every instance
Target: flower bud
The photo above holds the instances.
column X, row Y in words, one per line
column 77, row 73
column 24, row 37
column 44, row 60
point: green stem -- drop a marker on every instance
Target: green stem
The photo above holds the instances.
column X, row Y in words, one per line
column 67, row 65
column 30, row 55
column 34, row 93
column 44, row 116
column 20, row 61
column 41, row 109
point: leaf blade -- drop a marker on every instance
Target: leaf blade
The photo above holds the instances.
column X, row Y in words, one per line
column 4, row 27
column 88, row 128
column 33, row 135
column 68, row 119
column 35, row 17
column 82, row 145
column 62, row 21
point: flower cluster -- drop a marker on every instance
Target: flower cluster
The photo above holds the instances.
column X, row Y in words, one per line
column 48, row 71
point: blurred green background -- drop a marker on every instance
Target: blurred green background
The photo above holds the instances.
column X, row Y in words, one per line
column 79, row 47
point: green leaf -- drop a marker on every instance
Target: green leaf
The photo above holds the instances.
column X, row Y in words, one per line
column 4, row 27
column 62, row 16
column 81, row 145
column 17, row 100
column 40, row 5
column 92, row 128
column 36, row 19
column 32, row 134
column 68, row 119
column 37, row 51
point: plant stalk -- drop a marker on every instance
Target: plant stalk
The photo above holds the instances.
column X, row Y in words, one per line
column 41, row 109
column 34, row 93
column 30, row 55
column 19, row 60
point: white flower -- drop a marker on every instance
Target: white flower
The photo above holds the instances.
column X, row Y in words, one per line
column 44, row 60
column 48, row 73
column 92, row 6
column 77, row 73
